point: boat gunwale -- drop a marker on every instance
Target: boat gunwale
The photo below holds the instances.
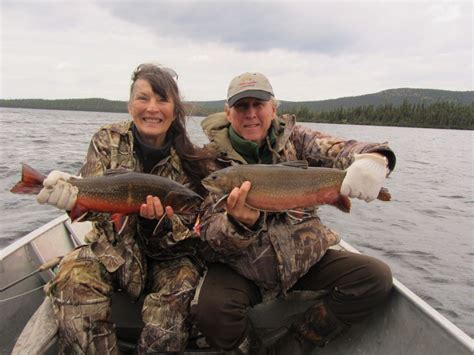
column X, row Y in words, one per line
column 25, row 240
column 445, row 324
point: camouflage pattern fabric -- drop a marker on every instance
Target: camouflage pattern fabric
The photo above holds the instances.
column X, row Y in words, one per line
column 277, row 250
column 166, row 308
column 80, row 294
column 87, row 277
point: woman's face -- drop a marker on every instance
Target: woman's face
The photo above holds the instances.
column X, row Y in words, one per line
column 151, row 114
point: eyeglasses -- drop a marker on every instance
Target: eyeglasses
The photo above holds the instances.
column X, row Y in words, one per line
column 153, row 67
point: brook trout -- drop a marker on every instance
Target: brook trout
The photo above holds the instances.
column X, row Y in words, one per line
column 119, row 192
column 284, row 187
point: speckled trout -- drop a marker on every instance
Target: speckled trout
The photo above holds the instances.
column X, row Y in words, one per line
column 285, row 187
column 120, row 192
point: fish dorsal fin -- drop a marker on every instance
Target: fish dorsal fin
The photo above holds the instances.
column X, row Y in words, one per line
column 117, row 171
column 302, row 164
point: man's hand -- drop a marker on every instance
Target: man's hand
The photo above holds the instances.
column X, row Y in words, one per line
column 57, row 191
column 365, row 176
column 153, row 209
column 236, row 205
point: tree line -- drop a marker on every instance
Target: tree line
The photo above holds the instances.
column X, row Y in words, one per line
column 440, row 114
column 445, row 115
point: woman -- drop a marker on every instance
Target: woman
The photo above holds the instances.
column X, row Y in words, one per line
column 141, row 256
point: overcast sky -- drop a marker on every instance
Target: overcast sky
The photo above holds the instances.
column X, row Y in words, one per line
column 310, row 50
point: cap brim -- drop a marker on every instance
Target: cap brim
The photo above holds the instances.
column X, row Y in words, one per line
column 256, row 94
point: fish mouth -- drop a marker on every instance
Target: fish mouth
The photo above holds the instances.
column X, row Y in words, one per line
column 210, row 187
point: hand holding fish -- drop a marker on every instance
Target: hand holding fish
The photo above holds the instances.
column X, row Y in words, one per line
column 58, row 191
column 237, row 208
column 365, row 176
column 153, row 209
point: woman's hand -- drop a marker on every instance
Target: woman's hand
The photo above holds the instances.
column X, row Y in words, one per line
column 236, row 205
column 153, row 209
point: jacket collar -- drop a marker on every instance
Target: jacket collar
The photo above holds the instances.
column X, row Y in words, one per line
column 216, row 128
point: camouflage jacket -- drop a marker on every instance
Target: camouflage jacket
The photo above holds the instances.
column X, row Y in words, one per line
column 112, row 147
column 277, row 250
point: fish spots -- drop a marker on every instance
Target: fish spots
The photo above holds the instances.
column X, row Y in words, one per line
column 130, row 195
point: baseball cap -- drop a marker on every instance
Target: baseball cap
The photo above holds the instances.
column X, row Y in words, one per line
column 254, row 85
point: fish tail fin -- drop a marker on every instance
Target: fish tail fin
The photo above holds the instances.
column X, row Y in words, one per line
column 384, row 194
column 31, row 181
column 343, row 203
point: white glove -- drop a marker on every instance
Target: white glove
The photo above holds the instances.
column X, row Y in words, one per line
column 365, row 176
column 57, row 191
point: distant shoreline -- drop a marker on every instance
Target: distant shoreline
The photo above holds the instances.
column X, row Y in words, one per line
column 422, row 108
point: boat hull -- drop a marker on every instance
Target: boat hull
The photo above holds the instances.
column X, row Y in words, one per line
column 404, row 325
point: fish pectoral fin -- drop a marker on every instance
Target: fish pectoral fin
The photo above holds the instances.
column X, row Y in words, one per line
column 81, row 217
column 257, row 209
column 77, row 212
column 219, row 202
column 197, row 226
column 160, row 222
column 298, row 215
column 120, row 221
column 302, row 164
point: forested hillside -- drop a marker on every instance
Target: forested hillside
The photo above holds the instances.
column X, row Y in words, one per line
column 96, row 105
column 443, row 114
column 395, row 107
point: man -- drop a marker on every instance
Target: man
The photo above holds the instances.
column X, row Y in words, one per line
column 265, row 255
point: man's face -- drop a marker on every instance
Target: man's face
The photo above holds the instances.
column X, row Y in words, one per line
column 251, row 118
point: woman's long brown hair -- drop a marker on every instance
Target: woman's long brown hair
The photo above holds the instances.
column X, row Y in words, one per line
column 195, row 161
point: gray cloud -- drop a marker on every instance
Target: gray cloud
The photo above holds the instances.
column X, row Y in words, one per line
column 63, row 49
column 245, row 26
column 313, row 27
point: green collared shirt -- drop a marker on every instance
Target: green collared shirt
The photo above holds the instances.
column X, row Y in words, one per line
column 252, row 152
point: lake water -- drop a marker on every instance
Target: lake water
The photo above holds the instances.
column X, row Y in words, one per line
column 425, row 233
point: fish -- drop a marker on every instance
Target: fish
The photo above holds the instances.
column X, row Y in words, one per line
column 284, row 187
column 119, row 192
